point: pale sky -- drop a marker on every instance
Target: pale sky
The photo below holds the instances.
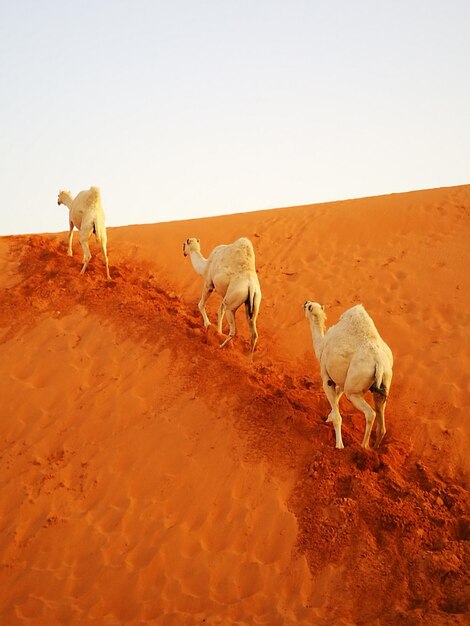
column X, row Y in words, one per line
column 180, row 109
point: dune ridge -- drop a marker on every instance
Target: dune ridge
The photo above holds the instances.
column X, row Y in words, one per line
column 150, row 478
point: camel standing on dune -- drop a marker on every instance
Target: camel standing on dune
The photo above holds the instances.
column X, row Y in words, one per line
column 86, row 213
column 230, row 270
column 353, row 359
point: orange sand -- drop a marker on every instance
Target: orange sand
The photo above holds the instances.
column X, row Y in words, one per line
column 150, row 478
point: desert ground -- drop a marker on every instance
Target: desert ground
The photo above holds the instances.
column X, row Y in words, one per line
column 149, row 477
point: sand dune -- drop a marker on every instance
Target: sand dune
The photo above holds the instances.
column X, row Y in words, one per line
column 150, row 478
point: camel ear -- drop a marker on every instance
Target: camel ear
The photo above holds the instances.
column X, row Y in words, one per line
column 198, row 240
column 322, row 307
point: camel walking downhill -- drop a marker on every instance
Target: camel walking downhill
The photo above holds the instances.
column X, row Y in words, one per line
column 87, row 215
column 353, row 359
column 230, row 271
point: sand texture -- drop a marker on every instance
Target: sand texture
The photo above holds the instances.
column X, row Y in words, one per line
column 148, row 477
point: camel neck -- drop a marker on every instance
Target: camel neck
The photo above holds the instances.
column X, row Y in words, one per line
column 317, row 337
column 198, row 261
column 68, row 201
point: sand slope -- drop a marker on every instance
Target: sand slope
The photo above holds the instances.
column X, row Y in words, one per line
column 150, row 478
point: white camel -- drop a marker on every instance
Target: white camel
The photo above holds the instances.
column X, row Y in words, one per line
column 230, row 270
column 86, row 214
column 353, row 359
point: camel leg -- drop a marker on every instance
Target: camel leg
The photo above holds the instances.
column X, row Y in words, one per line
column 220, row 317
column 334, row 416
column 69, row 251
column 358, row 401
column 252, row 326
column 206, row 292
column 86, row 252
column 233, row 327
column 105, row 256
column 108, row 275
column 380, row 402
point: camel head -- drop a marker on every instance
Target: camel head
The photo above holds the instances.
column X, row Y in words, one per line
column 63, row 197
column 191, row 244
column 315, row 312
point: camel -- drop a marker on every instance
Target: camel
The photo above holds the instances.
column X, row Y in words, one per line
column 87, row 215
column 230, row 270
column 353, row 359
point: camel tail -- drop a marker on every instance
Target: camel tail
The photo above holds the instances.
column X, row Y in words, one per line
column 378, row 386
column 252, row 301
column 94, row 203
column 98, row 229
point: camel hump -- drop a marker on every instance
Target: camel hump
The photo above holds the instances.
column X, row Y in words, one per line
column 95, row 194
column 244, row 251
column 244, row 242
column 358, row 322
column 234, row 258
